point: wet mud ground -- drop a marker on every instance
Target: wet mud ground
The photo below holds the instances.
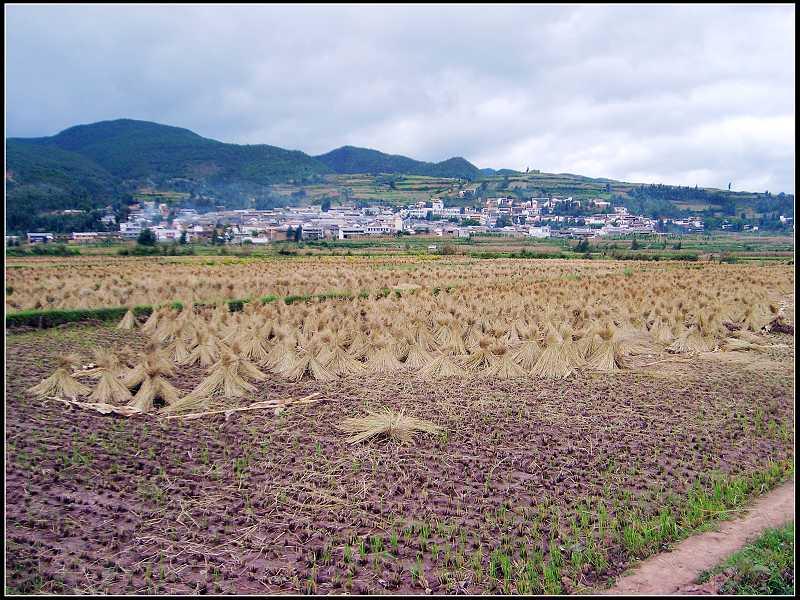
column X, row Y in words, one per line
column 260, row 503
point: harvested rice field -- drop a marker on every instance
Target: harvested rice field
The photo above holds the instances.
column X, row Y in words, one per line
column 86, row 282
column 509, row 426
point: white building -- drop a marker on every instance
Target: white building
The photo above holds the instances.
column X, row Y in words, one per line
column 348, row 232
column 311, row 232
column 40, row 238
column 166, row 235
column 539, row 232
column 85, row 236
column 380, row 229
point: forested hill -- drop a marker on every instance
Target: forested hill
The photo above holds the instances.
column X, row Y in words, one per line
column 129, row 149
column 352, row 160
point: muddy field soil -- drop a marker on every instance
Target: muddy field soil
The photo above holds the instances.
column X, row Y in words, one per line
column 524, row 478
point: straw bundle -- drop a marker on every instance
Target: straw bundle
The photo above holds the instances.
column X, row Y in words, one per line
column 453, row 343
column 417, row 357
column 441, row 366
column 152, row 321
column 382, row 360
column 109, row 389
column 180, row 353
column 205, row 353
column 400, row 347
column 393, row 425
column 104, row 360
column 154, row 360
column 128, row 322
column 153, row 387
column 253, row 345
column 226, row 378
column 608, row 356
column 526, row 354
column 661, row 332
column 553, row 362
column 167, row 329
column 481, row 357
column 697, row 338
column 733, row 344
column 568, row 347
column 338, row 361
column 306, row 364
column 282, row 356
column 588, row 343
column 502, row 364
column 61, row 383
column 424, row 339
column 757, row 317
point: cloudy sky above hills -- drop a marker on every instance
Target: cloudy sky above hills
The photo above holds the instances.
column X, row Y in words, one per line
column 684, row 95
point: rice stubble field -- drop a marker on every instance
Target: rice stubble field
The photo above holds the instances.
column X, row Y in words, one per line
column 537, row 480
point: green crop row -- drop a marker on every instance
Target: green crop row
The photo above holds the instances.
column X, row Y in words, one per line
column 43, row 319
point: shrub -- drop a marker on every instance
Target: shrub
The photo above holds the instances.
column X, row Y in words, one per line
column 236, row 305
column 146, row 238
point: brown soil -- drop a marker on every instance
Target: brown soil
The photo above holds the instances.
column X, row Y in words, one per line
column 676, row 571
column 264, row 504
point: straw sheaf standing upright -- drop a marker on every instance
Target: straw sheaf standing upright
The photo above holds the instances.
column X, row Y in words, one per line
column 205, row 353
column 502, row 365
column 417, row 357
column 441, row 366
column 382, row 359
column 228, row 377
column 609, row 355
column 109, row 389
column 338, row 361
column 553, row 362
column 128, row 322
column 305, row 363
column 481, row 357
column 152, row 388
column 151, row 323
column 61, row 382
column 526, row 354
column 698, row 337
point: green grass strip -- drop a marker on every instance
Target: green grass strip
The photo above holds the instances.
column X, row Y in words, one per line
column 43, row 319
column 765, row 567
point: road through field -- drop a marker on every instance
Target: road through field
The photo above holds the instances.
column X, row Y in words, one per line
column 672, row 572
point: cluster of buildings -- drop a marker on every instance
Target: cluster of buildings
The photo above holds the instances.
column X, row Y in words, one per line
column 535, row 217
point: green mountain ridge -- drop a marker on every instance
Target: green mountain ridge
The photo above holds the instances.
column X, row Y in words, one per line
column 353, row 160
column 131, row 149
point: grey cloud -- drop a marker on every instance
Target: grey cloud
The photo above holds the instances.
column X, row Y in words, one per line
column 682, row 94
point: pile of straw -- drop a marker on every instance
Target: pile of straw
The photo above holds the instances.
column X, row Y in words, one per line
column 393, row 425
column 61, row 382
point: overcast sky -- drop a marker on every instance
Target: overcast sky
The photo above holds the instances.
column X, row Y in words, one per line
column 684, row 95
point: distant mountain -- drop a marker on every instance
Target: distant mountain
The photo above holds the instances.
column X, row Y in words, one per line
column 130, row 149
column 353, row 160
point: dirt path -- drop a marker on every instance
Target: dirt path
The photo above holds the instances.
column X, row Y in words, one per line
column 672, row 572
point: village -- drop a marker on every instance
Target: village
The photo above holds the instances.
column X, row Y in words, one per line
column 535, row 217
